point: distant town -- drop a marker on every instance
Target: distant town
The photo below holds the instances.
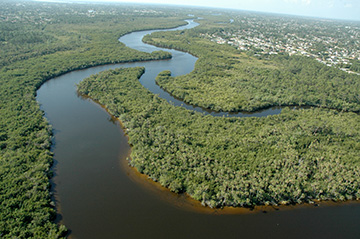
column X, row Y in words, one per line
column 331, row 42
column 334, row 43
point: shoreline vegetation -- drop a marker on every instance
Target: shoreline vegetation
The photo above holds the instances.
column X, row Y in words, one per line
column 295, row 157
column 228, row 80
column 37, row 45
column 184, row 201
column 35, row 48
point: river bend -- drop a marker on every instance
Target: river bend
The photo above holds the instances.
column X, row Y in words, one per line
column 99, row 196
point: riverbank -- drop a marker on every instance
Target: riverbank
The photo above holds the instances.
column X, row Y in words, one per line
column 88, row 146
column 230, row 80
column 183, row 201
column 192, row 153
column 34, row 52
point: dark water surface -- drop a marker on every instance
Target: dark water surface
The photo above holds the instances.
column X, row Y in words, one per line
column 99, row 196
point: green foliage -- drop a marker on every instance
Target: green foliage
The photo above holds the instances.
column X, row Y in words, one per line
column 39, row 41
column 38, row 29
column 294, row 157
column 353, row 66
column 226, row 79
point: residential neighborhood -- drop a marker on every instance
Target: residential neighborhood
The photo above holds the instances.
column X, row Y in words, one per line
column 331, row 42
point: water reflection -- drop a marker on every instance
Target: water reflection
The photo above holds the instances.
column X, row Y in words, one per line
column 181, row 63
column 98, row 197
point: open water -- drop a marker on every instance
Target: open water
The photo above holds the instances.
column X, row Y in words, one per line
column 99, row 196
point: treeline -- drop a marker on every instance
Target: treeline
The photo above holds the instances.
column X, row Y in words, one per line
column 354, row 66
column 55, row 47
column 295, row 157
column 226, row 79
column 38, row 29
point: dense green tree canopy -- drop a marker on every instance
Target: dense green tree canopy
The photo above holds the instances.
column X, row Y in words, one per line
column 297, row 156
column 39, row 41
column 226, row 79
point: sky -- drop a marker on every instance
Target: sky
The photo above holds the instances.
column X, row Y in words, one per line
column 336, row 9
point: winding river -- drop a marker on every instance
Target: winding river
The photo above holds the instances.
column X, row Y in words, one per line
column 99, row 196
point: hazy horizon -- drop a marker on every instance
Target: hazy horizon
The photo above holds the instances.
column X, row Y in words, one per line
column 330, row 9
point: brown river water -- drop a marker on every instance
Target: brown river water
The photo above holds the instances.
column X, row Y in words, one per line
column 99, row 196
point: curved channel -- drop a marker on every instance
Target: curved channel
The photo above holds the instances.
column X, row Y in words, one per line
column 99, row 196
column 181, row 63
